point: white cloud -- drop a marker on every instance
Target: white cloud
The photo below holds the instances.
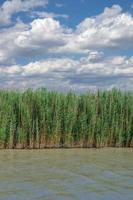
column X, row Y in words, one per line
column 112, row 29
column 91, row 68
column 65, row 73
column 38, row 38
column 8, row 50
column 9, row 7
column 49, row 15
column 43, row 36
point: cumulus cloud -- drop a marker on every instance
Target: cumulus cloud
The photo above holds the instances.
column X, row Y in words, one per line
column 66, row 74
column 44, row 36
column 112, row 29
column 81, row 61
column 28, row 40
column 9, row 7
column 8, row 49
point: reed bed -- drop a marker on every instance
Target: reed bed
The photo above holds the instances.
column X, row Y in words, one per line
column 44, row 119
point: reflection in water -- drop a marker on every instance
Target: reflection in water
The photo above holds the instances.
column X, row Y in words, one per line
column 66, row 174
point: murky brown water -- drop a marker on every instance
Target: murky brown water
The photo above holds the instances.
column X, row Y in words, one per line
column 68, row 174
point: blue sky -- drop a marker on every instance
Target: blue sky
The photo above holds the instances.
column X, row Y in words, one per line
column 78, row 10
column 63, row 45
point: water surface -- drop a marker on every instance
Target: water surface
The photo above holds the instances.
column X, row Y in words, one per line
column 66, row 174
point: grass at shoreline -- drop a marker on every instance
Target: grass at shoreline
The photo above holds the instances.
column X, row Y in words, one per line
column 43, row 119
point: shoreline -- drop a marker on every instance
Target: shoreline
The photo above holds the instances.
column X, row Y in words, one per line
column 61, row 148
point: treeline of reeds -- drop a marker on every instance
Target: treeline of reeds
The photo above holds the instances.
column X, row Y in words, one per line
column 44, row 119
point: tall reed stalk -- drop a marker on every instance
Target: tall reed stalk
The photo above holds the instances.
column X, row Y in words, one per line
column 41, row 119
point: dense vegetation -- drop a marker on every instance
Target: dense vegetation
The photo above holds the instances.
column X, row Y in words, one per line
column 40, row 119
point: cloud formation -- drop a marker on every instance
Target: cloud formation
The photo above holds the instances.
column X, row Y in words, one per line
column 59, row 57
column 112, row 29
column 43, row 34
column 90, row 72
column 10, row 7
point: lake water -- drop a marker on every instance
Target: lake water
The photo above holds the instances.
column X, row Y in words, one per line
column 66, row 174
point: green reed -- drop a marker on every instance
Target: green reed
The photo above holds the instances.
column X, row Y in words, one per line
column 41, row 119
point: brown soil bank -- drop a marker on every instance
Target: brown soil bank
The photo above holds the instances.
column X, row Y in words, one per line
column 59, row 146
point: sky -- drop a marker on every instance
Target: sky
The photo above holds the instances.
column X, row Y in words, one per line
column 64, row 45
